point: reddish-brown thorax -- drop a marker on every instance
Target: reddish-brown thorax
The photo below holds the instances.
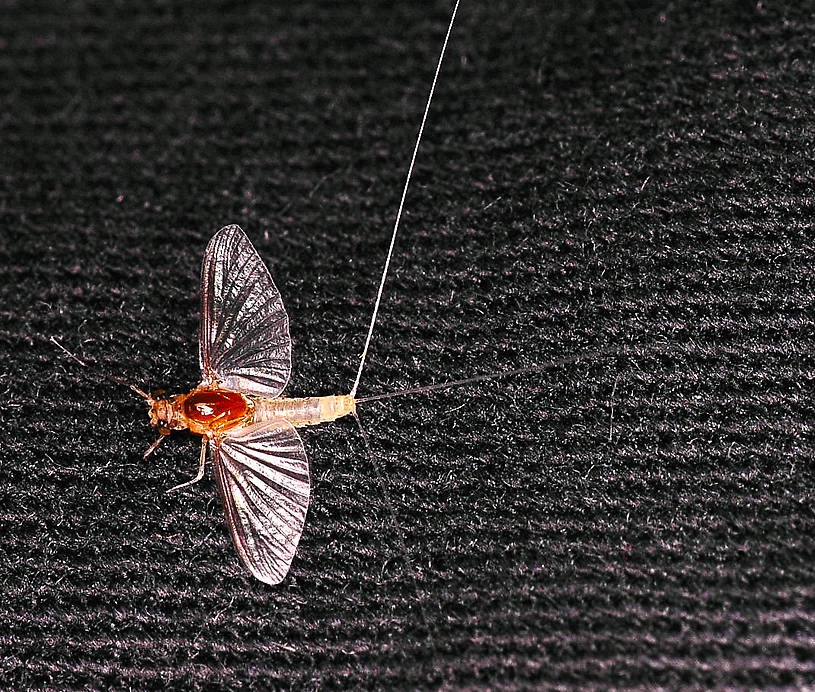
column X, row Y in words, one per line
column 204, row 411
column 215, row 408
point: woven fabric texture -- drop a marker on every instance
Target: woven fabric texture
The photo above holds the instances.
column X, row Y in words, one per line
column 624, row 185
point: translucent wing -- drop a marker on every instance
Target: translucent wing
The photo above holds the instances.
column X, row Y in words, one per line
column 245, row 343
column 263, row 476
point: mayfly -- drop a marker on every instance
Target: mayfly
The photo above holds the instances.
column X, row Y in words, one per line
column 259, row 461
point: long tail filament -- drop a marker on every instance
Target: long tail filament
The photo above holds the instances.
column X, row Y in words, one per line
column 509, row 373
column 402, row 201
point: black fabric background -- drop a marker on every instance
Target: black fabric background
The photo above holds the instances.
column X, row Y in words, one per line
column 628, row 182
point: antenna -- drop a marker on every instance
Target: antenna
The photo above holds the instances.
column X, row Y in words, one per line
column 402, row 201
column 112, row 378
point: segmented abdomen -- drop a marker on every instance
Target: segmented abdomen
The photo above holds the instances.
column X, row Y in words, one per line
column 299, row 412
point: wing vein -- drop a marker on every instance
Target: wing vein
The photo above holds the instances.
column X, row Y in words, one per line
column 245, row 341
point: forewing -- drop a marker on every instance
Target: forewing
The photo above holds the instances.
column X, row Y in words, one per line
column 263, row 476
column 245, row 342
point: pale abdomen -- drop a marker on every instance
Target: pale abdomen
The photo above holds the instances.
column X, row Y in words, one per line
column 300, row 412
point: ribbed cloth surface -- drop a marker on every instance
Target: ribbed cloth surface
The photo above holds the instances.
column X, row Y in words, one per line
column 631, row 183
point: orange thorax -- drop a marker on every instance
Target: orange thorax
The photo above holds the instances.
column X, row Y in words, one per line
column 214, row 410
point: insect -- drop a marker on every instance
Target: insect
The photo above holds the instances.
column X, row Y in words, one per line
column 258, row 458
column 260, row 464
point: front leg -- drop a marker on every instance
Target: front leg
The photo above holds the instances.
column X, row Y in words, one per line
column 201, row 464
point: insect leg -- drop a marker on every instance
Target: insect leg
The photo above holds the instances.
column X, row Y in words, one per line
column 201, row 464
column 153, row 446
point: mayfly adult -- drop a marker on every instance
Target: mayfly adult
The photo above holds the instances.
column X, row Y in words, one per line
column 259, row 461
